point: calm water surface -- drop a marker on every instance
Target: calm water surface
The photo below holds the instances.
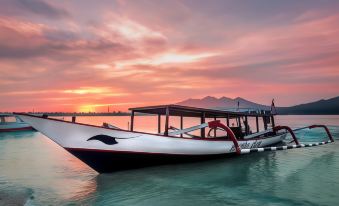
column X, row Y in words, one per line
column 35, row 171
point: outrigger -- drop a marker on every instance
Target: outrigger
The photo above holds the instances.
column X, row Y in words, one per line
column 108, row 148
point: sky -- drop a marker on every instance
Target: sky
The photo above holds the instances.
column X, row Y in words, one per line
column 84, row 55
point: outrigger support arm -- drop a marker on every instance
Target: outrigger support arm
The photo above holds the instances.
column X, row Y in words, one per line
column 263, row 149
column 190, row 129
column 181, row 133
column 213, row 125
column 230, row 134
column 277, row 128
column 326, row 129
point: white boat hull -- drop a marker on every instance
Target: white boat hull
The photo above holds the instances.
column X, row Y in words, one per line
column 10, row 127
column 107, row 150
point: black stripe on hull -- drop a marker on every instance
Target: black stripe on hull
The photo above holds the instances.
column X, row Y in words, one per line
column 106, row 161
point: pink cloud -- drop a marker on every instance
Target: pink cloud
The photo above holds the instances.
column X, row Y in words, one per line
column 131, row 56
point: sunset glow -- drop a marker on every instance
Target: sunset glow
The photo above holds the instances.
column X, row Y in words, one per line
column 87, row 91
column 87, row 56
column 169, row 58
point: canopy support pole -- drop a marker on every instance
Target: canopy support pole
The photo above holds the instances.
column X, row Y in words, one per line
column 246, row 126
column 132, row 121
column 265, row 122
column 215, row 130
column 181, row 124
column 202, row 122
column 228, row 120
column 272, row 119
column 166, row 122
column 159, row 123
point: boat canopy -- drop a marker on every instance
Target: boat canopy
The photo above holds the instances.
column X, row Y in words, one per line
column 186, row 111
column 203, row 113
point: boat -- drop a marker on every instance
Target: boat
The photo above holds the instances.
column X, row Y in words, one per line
column 10, row 123
column 220, row 133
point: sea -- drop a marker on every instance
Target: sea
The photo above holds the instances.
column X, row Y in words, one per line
column 36, row 171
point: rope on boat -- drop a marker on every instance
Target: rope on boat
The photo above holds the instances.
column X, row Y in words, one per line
column 264, row 149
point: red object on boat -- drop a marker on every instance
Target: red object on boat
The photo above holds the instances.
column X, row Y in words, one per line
column 277, row 128
column 326, row 129
column 230, row 134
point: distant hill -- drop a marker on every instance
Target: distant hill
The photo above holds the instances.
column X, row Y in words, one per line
column 329, row 106
column 222, row 103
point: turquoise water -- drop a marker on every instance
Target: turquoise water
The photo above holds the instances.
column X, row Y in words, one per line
column 35, row 171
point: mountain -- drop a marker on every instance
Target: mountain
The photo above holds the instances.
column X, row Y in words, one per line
column 223, row 102
column 329, row 106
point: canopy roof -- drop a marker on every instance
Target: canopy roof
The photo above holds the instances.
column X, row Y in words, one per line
column 179, row 110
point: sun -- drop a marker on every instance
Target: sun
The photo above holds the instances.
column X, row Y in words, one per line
column 86, row 108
